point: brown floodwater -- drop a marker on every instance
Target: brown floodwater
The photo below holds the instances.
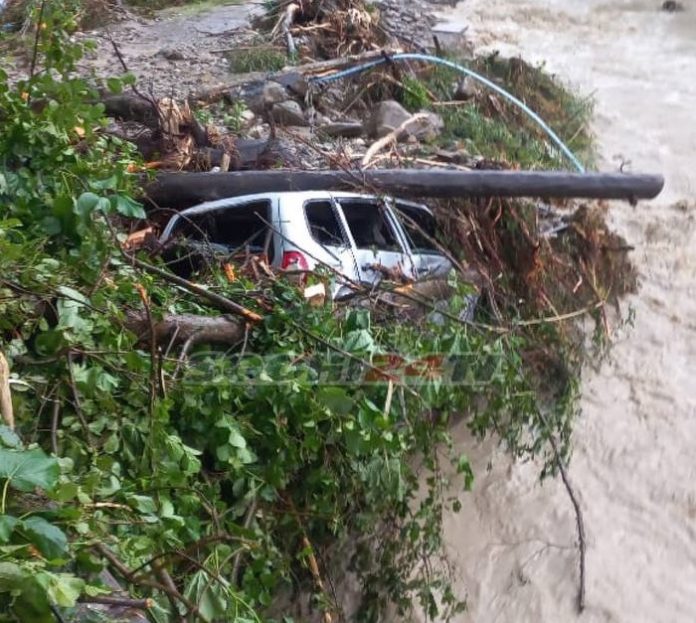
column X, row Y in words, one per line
column 634, row 463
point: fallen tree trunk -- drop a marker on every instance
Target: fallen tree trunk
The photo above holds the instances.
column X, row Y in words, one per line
column 181, row 190
column 183, row 327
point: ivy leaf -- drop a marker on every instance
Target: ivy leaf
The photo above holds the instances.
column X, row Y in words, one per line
column 48, row 539
column 28, row 469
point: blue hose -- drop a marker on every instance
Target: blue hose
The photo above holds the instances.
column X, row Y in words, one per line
column 468, row 72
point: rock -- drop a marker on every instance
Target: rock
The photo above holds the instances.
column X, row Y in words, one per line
column 288, row 113
column 466, row 89
column 294, row 82
column 671, row 6
column 248, row 116
column 386, row 117
column 171, row 54
column 427, row 128
column 343, row 129
column 271, row 93
column 389, row 115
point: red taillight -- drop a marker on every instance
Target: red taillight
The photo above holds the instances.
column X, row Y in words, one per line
column 294, row 260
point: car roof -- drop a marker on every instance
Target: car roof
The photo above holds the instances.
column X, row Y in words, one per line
column 301, row 195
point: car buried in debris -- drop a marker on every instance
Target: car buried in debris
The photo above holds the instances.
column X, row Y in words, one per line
column 360, row 238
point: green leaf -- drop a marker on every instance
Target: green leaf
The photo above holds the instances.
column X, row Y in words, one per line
column 360, row 340
column 62, row 589
column 143, row 504
column 11, row 576
column 464, row 467
column 115, row 85
column 9, row 438
column 7, row 525
column 336, row 399
column 127, row 207
column 48, row 539
column 28, row 469
column 86, row 203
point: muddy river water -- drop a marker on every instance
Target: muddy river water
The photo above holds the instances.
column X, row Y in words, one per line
column 634, row 463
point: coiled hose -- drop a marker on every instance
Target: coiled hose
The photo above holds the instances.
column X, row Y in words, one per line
column 408, row 56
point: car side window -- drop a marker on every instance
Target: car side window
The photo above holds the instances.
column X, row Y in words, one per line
column 420, row 227
column 369, row 225
column 238, row 227
column 323, row 223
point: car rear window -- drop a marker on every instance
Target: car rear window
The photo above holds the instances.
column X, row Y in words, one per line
column 239, row 227
column 420, row 226
column 369, row 225
column 323, row 223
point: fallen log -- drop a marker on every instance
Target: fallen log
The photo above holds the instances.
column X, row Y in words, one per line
column 183, row 327
column 181, row 190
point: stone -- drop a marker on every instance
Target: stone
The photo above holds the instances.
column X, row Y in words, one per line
column 386, row 117
column 466, row 89
column 294, row 82
column 389, row 115
column 269, row 94
column 288, row 112
column 427, row 128
column 171, row 54
column 343, row 129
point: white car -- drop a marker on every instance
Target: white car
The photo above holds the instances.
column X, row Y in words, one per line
column 360, row 237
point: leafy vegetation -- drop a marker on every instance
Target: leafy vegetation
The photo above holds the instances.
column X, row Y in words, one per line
column 217, row 481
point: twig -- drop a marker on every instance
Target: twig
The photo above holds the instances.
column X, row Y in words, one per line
column 54, row 426
column 6, row 409
column 35, row 51
column 129, row 576
column 391, row 138
column 188, row 344
column 579, row 520
column 127, row 602
column 216, row 299
column 145, row 299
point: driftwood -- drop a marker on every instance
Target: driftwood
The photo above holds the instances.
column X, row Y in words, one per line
column 6, row 411
column 181, row 328
column 181, row 190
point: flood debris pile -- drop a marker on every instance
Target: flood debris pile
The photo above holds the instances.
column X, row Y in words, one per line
column 231, row 442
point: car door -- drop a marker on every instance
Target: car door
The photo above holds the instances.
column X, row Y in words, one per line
column 378, row 246
column 419, row 227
